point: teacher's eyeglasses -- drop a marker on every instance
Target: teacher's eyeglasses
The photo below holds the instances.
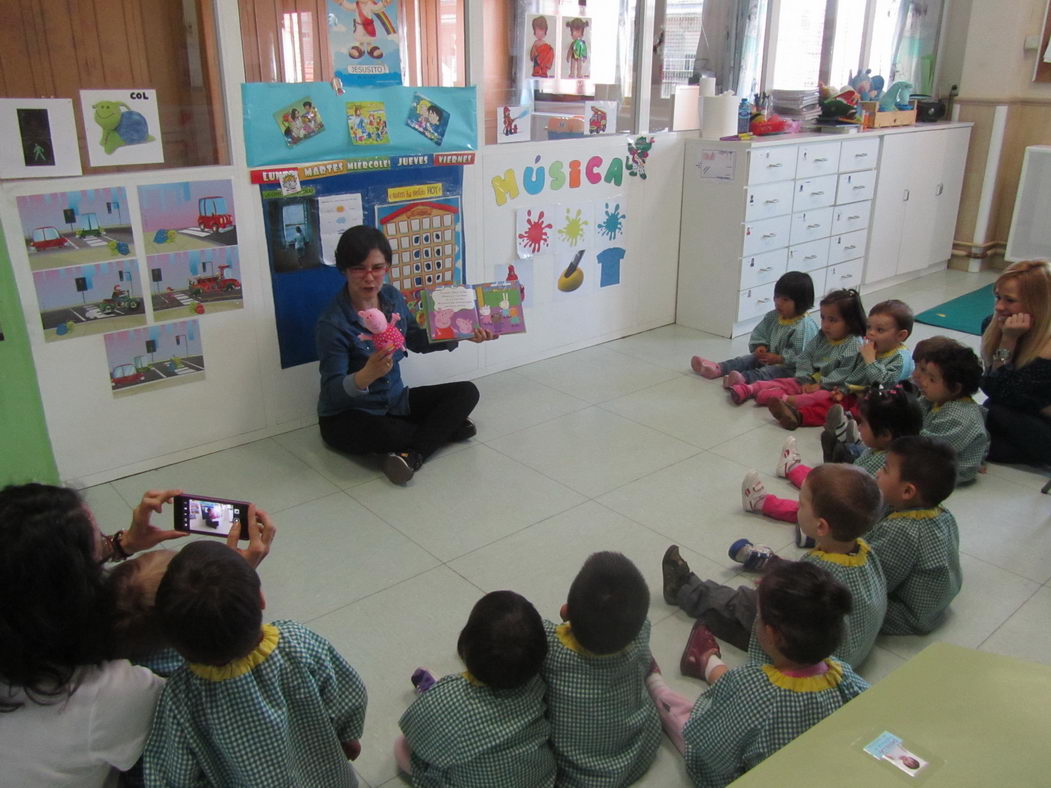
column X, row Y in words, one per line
column 360, row 270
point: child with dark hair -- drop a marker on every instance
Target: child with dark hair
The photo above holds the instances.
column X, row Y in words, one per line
column 838, row 504
column 754, row 710
column 256, row 704
column 485, row 726
column 917, row 544
column 948, row 378
column 825, row 361
column 776, row 342
column 604, row 729
column 137, row 632
column 881, row 359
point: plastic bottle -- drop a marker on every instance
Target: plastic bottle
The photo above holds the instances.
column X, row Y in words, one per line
column 744, row 117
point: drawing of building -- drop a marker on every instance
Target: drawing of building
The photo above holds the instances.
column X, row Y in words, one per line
column 423, row 241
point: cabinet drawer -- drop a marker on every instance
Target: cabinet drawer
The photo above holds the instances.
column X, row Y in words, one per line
column 847, row 247
column 762, row 268
column 767, row 165
column 768, row 199
column 808, row 257
column 859, row 155
column 766, row 235
column 755, row 301
column 844, row 276
column 811, row 225
column 856, row 186
column 818, row 159
column 814, row 193
column 847, row 218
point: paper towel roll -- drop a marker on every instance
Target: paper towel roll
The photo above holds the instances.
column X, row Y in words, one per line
column 719, row 116
column 686, row 114
column 707, row 86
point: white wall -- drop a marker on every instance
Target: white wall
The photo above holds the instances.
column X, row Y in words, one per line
column 995, row 65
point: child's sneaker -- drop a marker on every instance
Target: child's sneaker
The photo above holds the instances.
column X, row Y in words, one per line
column 422, row 679
column 790, row 457
column 699, row 646
column 705, row 368
column 829, row 444
column 802, row 540
column 733, row 378
column 754, row 557
column 853, row 433
column 676, row 572
column 739, row 392
column 836, row 421
column 786, row 415
column 753, row 492
column 399, row 467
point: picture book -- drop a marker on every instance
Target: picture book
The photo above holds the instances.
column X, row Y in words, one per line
column 500, row 307
column 451, row 313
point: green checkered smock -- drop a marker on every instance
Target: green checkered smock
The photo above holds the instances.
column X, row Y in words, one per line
column 464, row 733
column 786, row 337
column 828, row 362
column 919, row 550
column 274, row 717
column 961, row 424
column 871, row 460
column 861, row 573
column 604, row 725
column 755, row 710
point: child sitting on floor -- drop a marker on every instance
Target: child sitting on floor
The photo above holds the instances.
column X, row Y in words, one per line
column 948, row 378
column 883, row 415
column 137, row 634
column 485, row 726
column 776, row 342
column 754, row 710
column 826, row 359
column 837, row 505
column 604, row 728
column 917, row 544
column 882, row 359
column 256, row 704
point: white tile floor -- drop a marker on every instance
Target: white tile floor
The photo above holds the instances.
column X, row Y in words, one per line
column 615, row 447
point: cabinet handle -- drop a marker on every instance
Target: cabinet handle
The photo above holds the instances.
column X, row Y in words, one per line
column 813, row 226
column 905, row 198
column 764, row 270
column 940, row 189
column 771, row 202
column 816, row 194
column 859, row 187
column 852, row 218
column 810, row 257
column 822, row 158
column 860, row 155
column 763, row 301
column 848, row 248
column 847, row 276
column 775, row 164
column 769, row 235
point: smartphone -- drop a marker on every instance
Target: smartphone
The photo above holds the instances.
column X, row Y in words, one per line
column 212, row 516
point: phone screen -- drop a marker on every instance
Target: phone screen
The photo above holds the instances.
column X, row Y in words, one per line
column 212, row 516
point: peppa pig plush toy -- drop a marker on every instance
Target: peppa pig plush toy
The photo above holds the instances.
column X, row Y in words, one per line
column 382, row 335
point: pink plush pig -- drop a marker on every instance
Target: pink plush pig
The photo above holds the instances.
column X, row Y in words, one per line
column 382, row 335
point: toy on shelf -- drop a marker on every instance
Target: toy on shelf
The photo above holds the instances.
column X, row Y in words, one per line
column 896, row 97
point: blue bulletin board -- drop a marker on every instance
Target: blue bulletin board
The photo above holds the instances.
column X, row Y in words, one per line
column 285, row 123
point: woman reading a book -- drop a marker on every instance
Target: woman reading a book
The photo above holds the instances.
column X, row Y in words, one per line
column 363, row 407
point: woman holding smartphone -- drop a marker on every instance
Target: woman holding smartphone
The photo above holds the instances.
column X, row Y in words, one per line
column 364, row 407
column 70, row 715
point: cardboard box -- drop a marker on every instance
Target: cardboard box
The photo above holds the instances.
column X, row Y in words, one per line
column 874, row 119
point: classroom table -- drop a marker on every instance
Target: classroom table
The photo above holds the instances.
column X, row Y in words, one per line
column 982, row 719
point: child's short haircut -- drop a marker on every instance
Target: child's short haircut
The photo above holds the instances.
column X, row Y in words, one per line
column 927, row 346
column 898, row 311
column 503, row 643
column 607, row 603
column 133, row 585
column 892, row 409
column 849, row 304
column 209, row 604
column 960, row 367
column 846, row 497
column 798, row 286
column 806, row 606
column 929, row 464
column 539, row 23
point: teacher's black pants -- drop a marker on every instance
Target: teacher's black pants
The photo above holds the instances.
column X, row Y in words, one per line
column 435, row 413
column 1018, row 437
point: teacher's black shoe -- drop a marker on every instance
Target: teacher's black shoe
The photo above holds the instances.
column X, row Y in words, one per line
column 399, row 467
column 465, row 431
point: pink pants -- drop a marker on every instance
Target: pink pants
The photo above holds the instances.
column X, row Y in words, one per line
column 813, row 408
column 673, row 708
column 778, row 388
column 785, row 509
column 403, row 755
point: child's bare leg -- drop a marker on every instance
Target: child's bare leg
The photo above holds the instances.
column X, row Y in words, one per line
column 403, row 755
column 673, row 708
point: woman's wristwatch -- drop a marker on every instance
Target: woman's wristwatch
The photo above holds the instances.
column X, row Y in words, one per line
column 1002, row 355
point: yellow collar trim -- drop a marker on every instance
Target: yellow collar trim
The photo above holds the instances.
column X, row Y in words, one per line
column 835, row 342
column 469, row 677
column 827, row 680
column 916, row 514
column 569, row 640
column 787, row 321
column 238, row 667
column 892, row 351
column 936, row 408
column 859, row 558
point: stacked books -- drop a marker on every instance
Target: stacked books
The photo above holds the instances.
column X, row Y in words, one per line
column 803, row 105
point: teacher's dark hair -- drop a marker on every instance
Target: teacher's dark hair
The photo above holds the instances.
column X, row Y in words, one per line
column 357, row 243
column 54, row 606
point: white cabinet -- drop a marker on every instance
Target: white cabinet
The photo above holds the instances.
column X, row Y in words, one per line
column 917, row 200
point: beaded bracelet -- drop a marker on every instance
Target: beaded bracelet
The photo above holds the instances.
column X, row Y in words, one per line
column 117, row 552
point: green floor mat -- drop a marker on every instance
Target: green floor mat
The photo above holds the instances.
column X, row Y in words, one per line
column 965, row 313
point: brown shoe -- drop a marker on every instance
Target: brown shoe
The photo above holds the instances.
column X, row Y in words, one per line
column 676, row 571
column 699, row 646
column 787, row 416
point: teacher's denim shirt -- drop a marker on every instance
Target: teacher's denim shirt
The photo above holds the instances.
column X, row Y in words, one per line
column 342, row 353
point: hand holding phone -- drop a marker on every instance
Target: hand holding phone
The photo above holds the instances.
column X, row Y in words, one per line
column 142, row 534
column 198, row 514
column 261, row 532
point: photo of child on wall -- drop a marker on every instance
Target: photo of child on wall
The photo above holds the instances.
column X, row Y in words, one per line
column 299, row 121
column 541, row 54
column 427, row 118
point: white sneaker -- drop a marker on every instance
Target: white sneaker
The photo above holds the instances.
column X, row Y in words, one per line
column 753, row 492
column 790, row 457
column 852, row 433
